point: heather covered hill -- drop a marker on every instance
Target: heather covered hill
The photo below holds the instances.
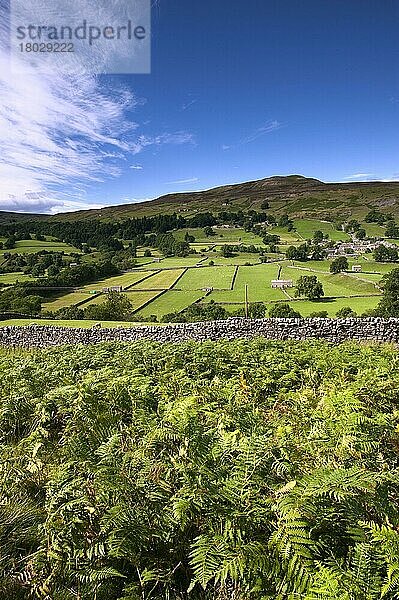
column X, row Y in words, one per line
column 295, row 195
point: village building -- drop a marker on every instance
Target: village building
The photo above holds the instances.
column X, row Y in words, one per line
column 357, row 268
column 282, row 283
column 114, row 288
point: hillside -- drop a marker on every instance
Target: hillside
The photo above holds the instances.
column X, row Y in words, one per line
column 296, row 195
column 10, row 217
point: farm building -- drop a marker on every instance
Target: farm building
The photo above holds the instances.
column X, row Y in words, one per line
column 357, row 268
column 282, row 283
column 114, row 288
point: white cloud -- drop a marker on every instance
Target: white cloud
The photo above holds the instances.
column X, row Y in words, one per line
column 177, row 138
column 188, row 104
column 268, row 127
column 360, row 177
column 137, row 167
column 182, row 181
column 63, row 132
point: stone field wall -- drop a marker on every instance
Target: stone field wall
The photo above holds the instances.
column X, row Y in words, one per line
column 331, row 330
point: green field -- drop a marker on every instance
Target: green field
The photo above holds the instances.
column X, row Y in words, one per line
column 137, row 299
column 32, row 246
column 124, row 280
column 86, row 323
column 174, row 263
column 306, row 228
column 11, row 278
column 224, row 235
column 171, row 301
column 207, row 277
column 161, row 281
column 341, row 284
column 359, row 305
column 54, row 304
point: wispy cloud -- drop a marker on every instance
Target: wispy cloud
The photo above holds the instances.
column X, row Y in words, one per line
column 177, row 138
column 360, row 177
column 137, row 167
column 61, row 133
column 188, row 104
column 266, row 128
column 182, row 181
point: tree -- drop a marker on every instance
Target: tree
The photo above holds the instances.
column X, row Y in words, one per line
column 38, row 270
column 283, row 311
column 53, row 271
column 300, row 253
column 309, row 286
column 389, row 303
column 208, row 231
column 227, row 251
column 385, row 254
column 269, row 238
column 345, row 312
column 117, row 307
column 339, row 264
column 360, row 234
column 318, row 236
column 392, row 230
column 375, row 216
column 321, row 314
column 10, row 242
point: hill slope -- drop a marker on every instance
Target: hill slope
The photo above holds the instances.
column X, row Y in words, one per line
column 294, row 194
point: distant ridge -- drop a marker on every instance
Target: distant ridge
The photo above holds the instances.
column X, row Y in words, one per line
column 295, row 195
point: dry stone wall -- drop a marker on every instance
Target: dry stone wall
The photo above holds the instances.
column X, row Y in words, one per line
column 331, row 330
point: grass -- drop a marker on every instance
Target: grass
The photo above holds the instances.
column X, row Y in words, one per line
column 174, row 262
column 306, row 228
column 11, row 278
column 374, row 230
column 224, row 235
column 333, row 285
column 216, row 277
column 32, row 246
column 171, row 301
column 124, row 280
column 64, row 323
column 359, row 305
column 137, row 299
column 162, row 280
column 70, row 299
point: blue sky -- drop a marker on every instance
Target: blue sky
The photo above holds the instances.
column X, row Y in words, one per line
column 238, row 91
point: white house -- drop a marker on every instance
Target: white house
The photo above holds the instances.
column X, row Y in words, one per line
column 282, row 283
column 357, row 268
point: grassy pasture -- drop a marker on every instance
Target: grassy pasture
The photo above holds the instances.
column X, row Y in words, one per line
column 137, row 299
column 11, row 278
column 174, row 262
column 32, row 246
column 224, row 235
column 359, row 305
column 171, row 301
column 124, row 280
column 65, row 323
column 334, row 285
column 216, row 277
column 307, row 227
column 162, row 280
column 54, row 304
